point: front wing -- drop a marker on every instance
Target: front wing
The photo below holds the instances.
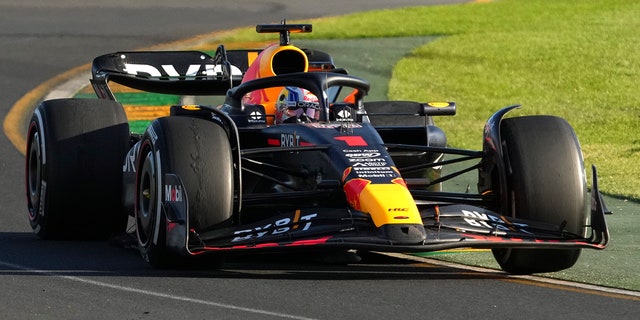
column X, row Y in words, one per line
column 457, row 228
column 447, row 227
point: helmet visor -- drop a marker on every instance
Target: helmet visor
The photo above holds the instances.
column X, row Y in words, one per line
column 310, row 109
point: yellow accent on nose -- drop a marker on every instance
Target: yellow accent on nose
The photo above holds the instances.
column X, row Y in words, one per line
column 389, row 204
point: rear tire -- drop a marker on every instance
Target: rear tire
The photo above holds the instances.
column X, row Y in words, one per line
column 75, row 151
column 199, row 153
column 545, row 182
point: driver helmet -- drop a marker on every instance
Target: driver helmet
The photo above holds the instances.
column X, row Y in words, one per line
column 297, row 105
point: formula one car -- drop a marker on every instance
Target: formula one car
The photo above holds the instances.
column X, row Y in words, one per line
column 295, row 160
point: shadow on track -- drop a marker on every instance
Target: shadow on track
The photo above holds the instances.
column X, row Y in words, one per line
column 25, row 254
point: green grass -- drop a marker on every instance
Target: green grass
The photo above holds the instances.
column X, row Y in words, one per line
column 139, row 98
column 574, row 59
column 139, row 126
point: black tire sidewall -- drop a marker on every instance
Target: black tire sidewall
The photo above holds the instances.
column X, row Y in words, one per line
column 84, row 142
column 545, row 182
column 199, row 153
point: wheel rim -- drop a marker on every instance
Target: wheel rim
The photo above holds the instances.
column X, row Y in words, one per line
column 146, row 199
column 34, row 174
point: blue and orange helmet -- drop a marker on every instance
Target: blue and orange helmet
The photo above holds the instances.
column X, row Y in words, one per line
column 297, row 105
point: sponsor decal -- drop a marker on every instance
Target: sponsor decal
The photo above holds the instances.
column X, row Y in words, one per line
column 255, row 117
column 489, row 221
column 332, row 125
column 289, row 140
column 168, row 70
column 152, row 133
column 173, row 193
column 130, row 159
column 375, row 172
column 303, row 104
column 298, row 223
column 344, row 115
column 43, row 194
column 369, row 163
column 41, row 138
column 191, row 107
column 361, row 155
column 217, row 119
column 399, row 210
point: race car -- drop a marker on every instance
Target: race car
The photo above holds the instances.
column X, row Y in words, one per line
column 295, row 159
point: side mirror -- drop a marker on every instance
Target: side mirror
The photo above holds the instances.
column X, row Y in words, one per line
column 438, row 109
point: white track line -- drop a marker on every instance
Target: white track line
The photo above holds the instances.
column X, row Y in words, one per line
column 151, row 293
column 69, row 88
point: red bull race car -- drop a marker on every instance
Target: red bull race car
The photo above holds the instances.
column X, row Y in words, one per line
column 295, row 159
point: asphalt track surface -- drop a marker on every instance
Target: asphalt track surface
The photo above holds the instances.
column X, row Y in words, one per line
column 40, row 40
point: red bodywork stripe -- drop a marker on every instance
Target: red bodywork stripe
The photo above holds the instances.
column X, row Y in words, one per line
column 309, row 242
column 353, row 141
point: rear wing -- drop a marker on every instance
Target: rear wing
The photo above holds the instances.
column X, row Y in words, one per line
column 181, row 72
column 170, row 72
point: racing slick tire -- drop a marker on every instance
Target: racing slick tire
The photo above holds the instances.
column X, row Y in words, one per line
column 74, row 156
column 546, row 182
column 199, row 153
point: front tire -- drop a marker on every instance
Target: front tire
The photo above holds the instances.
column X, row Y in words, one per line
column 199, row 153
column 546, row 182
